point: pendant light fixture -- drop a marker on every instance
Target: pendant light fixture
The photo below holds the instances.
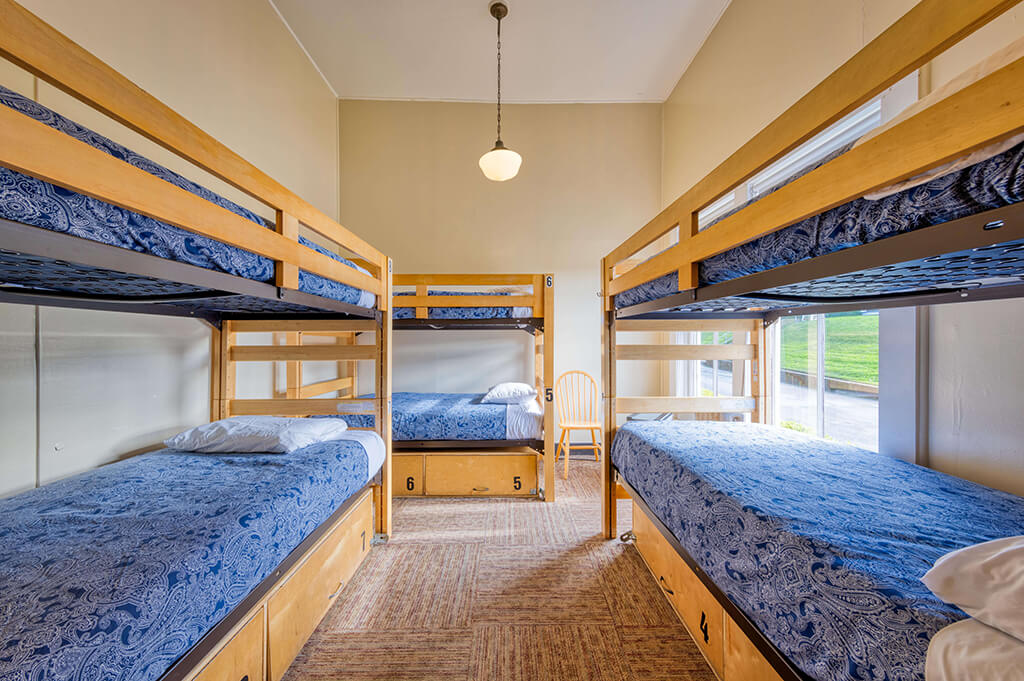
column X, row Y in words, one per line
column 500, row 163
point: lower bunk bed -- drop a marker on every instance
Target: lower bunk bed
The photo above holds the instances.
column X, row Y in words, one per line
column 175, row 565
column 789, row 557
column 453, row 444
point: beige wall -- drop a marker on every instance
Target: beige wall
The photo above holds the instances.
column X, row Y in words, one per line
column 109, row 384
column 759, row 60
column 409, row 177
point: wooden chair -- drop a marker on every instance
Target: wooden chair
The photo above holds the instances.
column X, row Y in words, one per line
column 578, row 409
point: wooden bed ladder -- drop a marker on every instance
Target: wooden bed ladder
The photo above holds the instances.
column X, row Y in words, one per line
column 746, row 351
column 299, row 399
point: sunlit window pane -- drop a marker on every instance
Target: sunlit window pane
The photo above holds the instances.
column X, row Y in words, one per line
column 798, row 369
column 851, row 385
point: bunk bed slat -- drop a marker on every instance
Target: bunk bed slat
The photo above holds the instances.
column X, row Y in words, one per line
column 738, row 351
column 301, row 407
column 685, row 405
column 300, row 353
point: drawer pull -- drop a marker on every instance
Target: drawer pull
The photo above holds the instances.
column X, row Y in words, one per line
column 481, row 489
column 664, row 585
column 341, row 586
column 704, row 626
column 244, row 678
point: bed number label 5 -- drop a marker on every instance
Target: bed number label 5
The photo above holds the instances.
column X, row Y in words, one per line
column 549, row 281
column 517, row 482
column 549, row 395
column 410, row 483
column 704, row 626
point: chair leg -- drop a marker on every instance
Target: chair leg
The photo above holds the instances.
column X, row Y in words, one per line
column 598, row 449
column 568, row 451
column 560, row 446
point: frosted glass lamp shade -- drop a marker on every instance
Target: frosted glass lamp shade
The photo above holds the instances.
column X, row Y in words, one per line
column 500, row 164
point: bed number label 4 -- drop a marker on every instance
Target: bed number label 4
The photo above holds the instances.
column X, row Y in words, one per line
column 704, row 626
column 549, row 395
column 410, row 483
column 517, row 482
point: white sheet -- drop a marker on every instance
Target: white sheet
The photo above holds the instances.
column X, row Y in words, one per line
column 972, row 651
column 524, row 421
column 374, row 446
column 986, row 581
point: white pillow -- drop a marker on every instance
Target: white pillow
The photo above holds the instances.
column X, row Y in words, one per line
column 510, row 393
column 986, row 581
column 275, row 434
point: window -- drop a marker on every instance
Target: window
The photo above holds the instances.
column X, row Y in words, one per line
column 827, row 378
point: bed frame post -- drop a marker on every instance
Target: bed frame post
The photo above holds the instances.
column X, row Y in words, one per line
column 383, row 392
column 759, row 375
column 549, row 387
column 227, row 370
column 608, row 501
column 216, row 367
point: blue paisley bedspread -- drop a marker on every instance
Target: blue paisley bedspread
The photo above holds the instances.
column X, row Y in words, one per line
column 993, row 183
column 821, row 544
column 115, row 573
column 441, row 416
column 34, row 202
column 464, row 312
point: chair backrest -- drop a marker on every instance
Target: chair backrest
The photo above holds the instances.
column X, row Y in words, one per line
column 577, row 398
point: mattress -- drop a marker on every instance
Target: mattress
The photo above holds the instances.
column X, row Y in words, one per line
column 120, row 570
column 34, row 202
column 993, row 183
column 464, row 312
column 456, row 416
column 821, row 544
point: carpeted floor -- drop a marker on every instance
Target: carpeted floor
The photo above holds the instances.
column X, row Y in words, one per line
column 503, row 590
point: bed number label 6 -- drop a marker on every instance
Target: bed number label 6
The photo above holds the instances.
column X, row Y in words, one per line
column 410, row 483
column 549, row 395
column 704, row 626
column 549, row 281
column 517, row 482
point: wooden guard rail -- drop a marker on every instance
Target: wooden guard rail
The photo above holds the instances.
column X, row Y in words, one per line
column 745, row 352
column 989, row 110
column 422, row 300
column 30, row 147
column 749, row 373
column 335, row 341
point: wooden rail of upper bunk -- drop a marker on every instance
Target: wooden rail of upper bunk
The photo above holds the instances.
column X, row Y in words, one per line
column 30, row 147
column 989, row 110
column 422, row 300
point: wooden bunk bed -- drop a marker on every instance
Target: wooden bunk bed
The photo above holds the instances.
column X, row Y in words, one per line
column 310, row 290
column 480, row 467
column 969, row 257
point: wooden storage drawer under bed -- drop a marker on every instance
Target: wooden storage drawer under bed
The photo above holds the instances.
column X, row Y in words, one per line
column 407, row 472
column 729, row 651
column 296, row 607
column 697, row 607
column 241, row 657
column 508, row 472
column 495, row 472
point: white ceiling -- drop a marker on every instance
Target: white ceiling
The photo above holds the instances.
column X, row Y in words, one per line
column 552, row 50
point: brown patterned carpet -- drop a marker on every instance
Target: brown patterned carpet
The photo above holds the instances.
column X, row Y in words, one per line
column 503, row 590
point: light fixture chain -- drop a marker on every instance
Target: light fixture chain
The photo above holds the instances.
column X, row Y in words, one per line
column 499, row 79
